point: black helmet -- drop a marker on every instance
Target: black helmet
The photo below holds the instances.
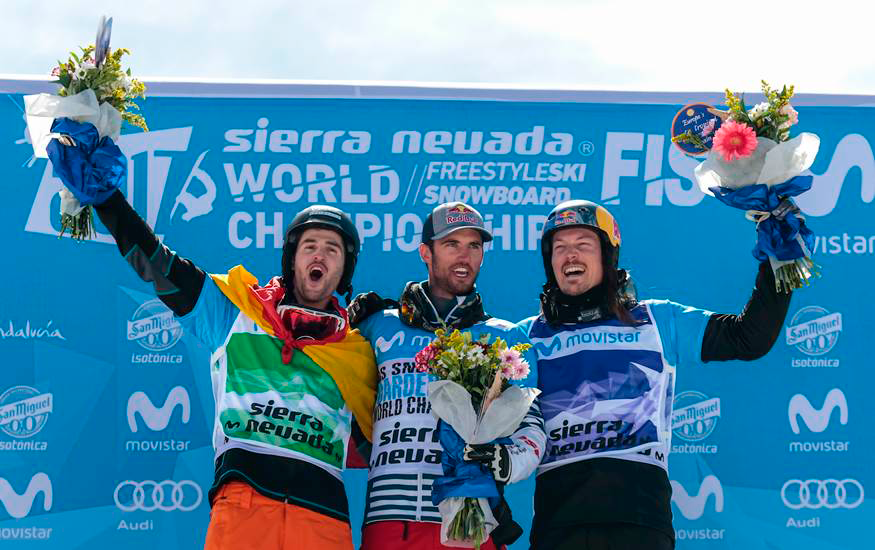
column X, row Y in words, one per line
column 325, row 217
column 581, row 213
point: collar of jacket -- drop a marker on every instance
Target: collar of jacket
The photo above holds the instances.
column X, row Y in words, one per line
column 560, row 308
column 417, row 310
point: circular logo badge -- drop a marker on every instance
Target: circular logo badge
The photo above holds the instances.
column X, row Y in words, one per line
column 698, row 124
column 154, row 327
column 24, row 411
column 694, row 416
column 814, row 330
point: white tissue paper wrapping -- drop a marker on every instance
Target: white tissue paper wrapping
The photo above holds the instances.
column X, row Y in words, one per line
column 42, row 109
column 452, row 403
column 770, row 164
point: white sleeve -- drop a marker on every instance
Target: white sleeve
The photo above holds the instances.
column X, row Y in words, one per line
column 529, row 444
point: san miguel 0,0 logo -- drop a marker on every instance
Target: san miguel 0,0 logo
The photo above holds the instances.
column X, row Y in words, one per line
column 693, row 420
column 24, row 412
column 156, row 330
column 814, row 331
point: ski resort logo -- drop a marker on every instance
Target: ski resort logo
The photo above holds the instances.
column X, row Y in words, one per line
column 155, row 418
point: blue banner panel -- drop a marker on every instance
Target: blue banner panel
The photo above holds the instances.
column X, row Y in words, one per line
column 106, row 407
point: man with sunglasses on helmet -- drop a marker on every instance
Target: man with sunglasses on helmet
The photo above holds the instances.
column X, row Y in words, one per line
column 606, row 369
column 291, row 380
column 406, row 454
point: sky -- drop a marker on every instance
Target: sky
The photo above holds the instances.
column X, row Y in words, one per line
column 821, row 47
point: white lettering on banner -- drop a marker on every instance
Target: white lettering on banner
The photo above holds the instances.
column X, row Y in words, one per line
column 154, row 328
column 439, row 142
column 156, row 419
column 146, row 525
column 260, row 140
column 817, row 420
column 853, row 151
column 311, row 183
column 30, row 332
column 138, row 148
column 553, row 172
column 25, row 533
column 24, row 411
column 680, row 191
column 844, row 244
column 497, row 195
column 821, row 326
column 694, row 419
column 693, row 507
column 699, row 534
column 18, row 505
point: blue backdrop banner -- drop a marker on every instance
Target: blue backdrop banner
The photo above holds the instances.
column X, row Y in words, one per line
column 105, row 402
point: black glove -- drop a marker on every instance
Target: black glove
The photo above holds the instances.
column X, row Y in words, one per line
column 495, row 457
column 365, row 305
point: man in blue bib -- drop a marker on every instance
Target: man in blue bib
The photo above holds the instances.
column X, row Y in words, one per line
column 406, row 454
column 606, row 369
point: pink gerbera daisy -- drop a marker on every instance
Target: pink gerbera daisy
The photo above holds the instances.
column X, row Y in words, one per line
column 734, row 140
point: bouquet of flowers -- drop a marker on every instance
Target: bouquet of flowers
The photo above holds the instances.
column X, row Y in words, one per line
column 753, row 164
column 473, row 374
column 94, row 89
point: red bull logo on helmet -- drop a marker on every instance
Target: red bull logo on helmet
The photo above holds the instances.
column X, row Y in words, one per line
column 565, row 217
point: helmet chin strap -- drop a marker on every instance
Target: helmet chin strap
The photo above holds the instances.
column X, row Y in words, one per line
column 559, row 307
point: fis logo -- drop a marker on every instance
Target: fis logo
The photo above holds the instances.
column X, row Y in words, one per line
column 157, row 419
column 817, row 420
column 622, row 165
column 693, row 507
column 814, row 330
column 18, row 505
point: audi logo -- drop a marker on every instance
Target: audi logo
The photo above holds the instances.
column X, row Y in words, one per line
column 148, row 496
column 827, row 493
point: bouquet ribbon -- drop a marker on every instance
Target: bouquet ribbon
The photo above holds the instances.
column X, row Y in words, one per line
column 462, row 478
column 93, row 168
column 781, row 233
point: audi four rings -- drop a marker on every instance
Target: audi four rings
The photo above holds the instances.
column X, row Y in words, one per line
column 148, row 496
column 827, row 493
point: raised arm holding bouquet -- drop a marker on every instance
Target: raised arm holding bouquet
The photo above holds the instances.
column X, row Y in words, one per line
column 95, row 89
column 753, row 164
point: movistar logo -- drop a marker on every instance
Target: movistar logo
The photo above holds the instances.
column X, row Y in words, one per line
column 385, row 345
column 817, row 420
column 693, row 507
column 156, row 419
column 18, row 505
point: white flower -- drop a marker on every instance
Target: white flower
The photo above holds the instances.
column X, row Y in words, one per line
column 758, row 110
column 88, row 65
column 475, row 355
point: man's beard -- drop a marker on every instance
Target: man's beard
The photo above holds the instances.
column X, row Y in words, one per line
column 444, row 278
